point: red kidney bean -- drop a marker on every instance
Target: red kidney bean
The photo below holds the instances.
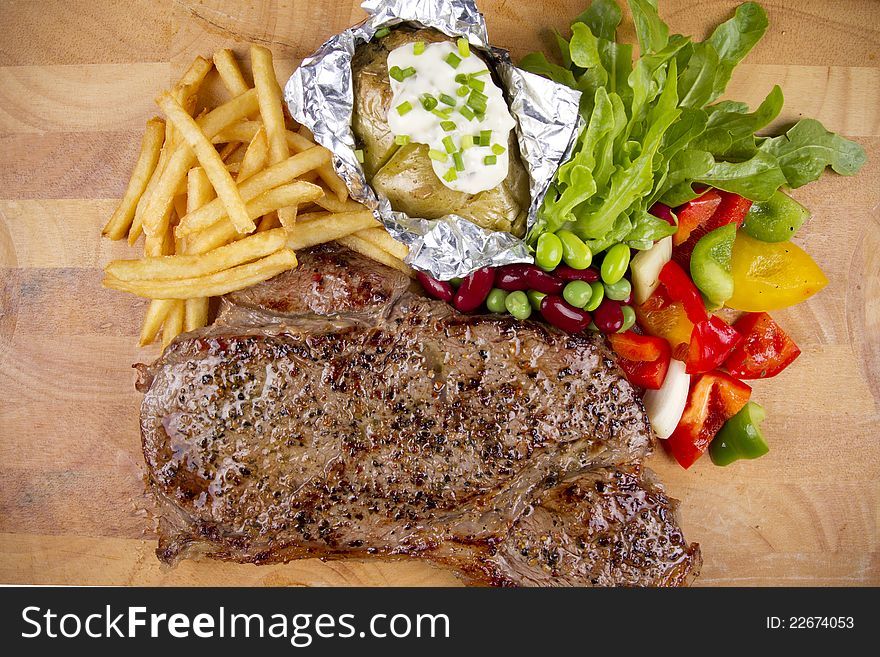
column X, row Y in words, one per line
column 608, row 317
column 442, row 290
column 566, row 273
column 514, row 278
column 474, row 289
column 563, row 315
column 664, row 212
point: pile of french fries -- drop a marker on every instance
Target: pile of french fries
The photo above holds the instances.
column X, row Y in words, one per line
column 224, row 199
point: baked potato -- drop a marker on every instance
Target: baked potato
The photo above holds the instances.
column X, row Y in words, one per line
column 404, row 174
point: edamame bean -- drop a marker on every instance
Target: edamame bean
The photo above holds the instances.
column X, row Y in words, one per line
column 517, row 304
column 535, row 298
column 575, row 253
column 596, row 297
column 548, row 252
column 578, row 293
column 495, row 301
column 629, row 318
column 618, row 291
column 615, row 263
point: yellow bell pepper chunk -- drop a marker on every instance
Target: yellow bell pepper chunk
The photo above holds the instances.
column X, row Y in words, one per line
column 771, row 275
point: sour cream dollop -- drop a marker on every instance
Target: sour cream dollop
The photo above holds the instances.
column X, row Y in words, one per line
column 444, row 97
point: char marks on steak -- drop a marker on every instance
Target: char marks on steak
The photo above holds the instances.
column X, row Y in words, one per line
column 388, row 424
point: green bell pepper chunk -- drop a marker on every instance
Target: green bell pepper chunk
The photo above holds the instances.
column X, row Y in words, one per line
column 776, row 220
column 710, row 264
column 740, row 437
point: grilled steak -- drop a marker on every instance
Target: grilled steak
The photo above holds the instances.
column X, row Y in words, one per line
column 399, row 427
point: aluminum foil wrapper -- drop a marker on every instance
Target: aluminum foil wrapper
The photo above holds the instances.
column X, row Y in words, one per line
column 320, row 96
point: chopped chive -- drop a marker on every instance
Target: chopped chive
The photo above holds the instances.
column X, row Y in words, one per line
column 446, row 99
column 401, row 140
column 442, row 113
column 464, row 48
column 476, row 84
column 450, row 175
column 477, row 101
column 404, row 107
column 429, row 102
column 418, row 47
column 485, row 137
column 448, row 145
column 396, row 73
column 382, row 33
column 448, row 126
column 485, row 71
column 466, row 112
column 489, row 159
column 466, row 142
column 461, row 78
column 440, row 156
column 498, row 149
column 459, row 162
column 453, row 60
column 408, row 72
column 359, row 154
column 480, row 115
column 463, row 91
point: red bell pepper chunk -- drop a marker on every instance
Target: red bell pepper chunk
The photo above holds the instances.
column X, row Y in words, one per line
column 695, row 213
column 680, row 287
column 644, row 359
column 714, row 398
column 712, row 341
column 765, row 351
column 732, row 209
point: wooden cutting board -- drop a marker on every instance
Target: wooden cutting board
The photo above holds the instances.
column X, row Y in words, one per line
column 77, row 82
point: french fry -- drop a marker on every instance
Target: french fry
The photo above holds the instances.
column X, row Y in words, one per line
column 255, row 157
column 155, row 214
column 153, row 320
column 213, row 285
column 186, row 89
column 333, row 204
column 198, row 189
column 137, row 224
column 173, row 267
column 259, row 183
column 327, row 172
column 180, row 204
column 223, row 231
column 269, row 95
column 195, row 313
column 373, row 252
column 226, row 152
column 198, row 192
column 230, row 73
column 318, row 230
column 210, row 161
column 269, row 222
column 379, row 237
column 173, row 325
column 151, row 147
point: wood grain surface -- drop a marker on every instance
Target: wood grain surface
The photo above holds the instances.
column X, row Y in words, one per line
column 77, row 82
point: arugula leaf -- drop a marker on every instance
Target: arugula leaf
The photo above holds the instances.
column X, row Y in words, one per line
column 731, row 128
column 651, row 32
column 807, row 148
column 537, row 63
column 602, row 17
column 696, row 85
column 756, row 178
column 733, row 40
